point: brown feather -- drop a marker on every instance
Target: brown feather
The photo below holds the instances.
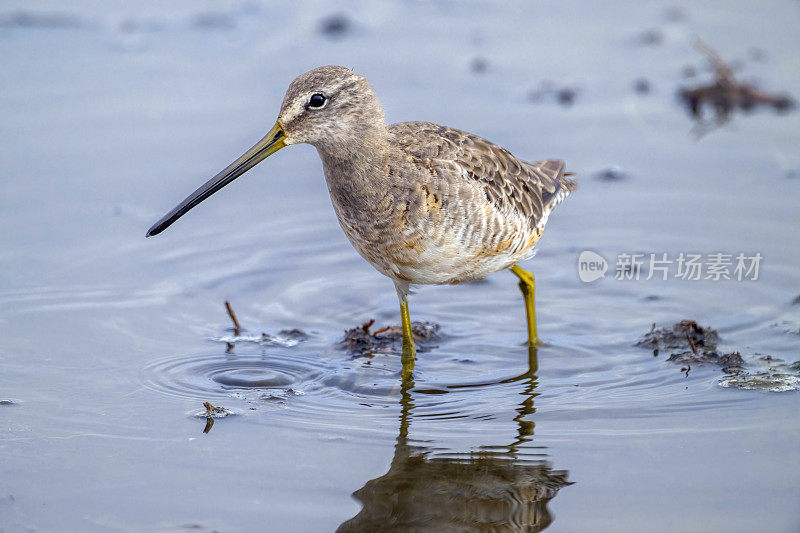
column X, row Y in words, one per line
column 508, row 182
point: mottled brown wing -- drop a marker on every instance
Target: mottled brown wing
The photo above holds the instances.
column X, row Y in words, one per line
column 529, row 188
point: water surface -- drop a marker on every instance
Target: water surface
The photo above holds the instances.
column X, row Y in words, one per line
column 111, row 342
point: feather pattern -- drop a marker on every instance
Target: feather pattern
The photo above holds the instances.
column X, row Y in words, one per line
column 456, row 207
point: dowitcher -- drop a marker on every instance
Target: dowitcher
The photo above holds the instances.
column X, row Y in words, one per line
column 423, row 203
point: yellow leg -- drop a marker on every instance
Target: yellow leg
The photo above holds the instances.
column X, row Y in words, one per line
column 409, row 351
column 527, row 285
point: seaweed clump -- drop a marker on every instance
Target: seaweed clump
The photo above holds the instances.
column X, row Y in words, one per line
column 770, row 374
column 689, row 343
column 361, row 341
column 727, row 94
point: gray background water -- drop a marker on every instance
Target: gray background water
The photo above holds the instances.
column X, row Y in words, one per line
column 111, row 114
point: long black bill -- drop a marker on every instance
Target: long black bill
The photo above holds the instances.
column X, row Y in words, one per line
column 271, row 143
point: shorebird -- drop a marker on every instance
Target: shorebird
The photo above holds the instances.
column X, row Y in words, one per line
column 423, row 203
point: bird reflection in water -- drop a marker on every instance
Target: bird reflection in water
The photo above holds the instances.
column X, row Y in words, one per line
column 494, row 489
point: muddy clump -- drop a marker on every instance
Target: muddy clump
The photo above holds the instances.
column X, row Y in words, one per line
column 768, row 373
column 361, row 341
column 689, row 343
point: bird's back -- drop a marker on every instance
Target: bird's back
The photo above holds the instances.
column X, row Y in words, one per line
column 527, row 189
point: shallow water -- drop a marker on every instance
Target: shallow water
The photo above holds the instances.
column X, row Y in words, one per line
column 112, row 342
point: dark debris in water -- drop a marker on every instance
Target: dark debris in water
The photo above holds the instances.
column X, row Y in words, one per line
column 479, row 65
column 651, row 37
column 7, row 402
column 285, row 337
column 279, row 395
column 726, row 94
column 335, row 26
column 611, row 174
column 211, row 412
column 199, row 528
column 548, row 91
column 674, row 14
column 361, row 341
column 257, row 398
column 45, row 20
column 213, row 20
column 689, row 343
column 216, row 412
column 769, row 374
column 641, row 86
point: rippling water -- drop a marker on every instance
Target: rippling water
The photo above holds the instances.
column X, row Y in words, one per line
column 110, row 343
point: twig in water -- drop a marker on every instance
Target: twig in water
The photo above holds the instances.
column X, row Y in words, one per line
column 691, row 345
column 655, row 339
column 209, row 415
column 236, row 327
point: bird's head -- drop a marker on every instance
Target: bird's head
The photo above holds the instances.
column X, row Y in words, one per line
column 331, row 108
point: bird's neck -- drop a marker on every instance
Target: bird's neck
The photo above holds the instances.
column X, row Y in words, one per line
column 356, row 170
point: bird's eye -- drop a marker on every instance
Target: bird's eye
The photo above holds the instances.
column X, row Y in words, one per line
column 316, row 100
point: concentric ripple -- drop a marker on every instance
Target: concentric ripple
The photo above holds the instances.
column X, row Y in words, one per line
column 221, row 375
column 320, row 387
